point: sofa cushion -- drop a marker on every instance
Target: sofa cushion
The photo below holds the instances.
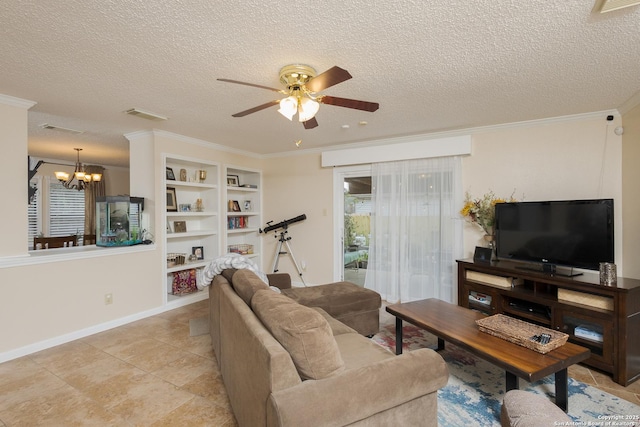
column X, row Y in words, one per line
column 246, row 283
column 302, row 331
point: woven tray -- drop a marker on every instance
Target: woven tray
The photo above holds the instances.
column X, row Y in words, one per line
column 520, row 332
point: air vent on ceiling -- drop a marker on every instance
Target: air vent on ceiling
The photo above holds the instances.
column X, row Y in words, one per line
column 145, row 114
column 603, row 6
column 60, row 128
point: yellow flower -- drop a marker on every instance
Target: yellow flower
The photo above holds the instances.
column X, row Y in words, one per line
column 481, row 211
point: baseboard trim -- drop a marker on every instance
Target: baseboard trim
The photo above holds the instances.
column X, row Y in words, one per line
column 82, row 333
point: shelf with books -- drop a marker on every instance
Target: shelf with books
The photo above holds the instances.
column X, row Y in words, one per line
column 243, row 195
column 192, row 221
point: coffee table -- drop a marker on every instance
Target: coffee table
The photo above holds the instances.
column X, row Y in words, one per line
column 455, row 324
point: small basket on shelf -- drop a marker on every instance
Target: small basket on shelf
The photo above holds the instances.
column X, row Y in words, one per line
column 242, row 249
column 174, row 259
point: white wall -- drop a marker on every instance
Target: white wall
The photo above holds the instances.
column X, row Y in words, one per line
column 559, row 159
column 578, row 158
column 630, row 193
column 295, row 185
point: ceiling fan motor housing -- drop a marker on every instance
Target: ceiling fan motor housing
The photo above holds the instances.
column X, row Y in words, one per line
column 296, row 75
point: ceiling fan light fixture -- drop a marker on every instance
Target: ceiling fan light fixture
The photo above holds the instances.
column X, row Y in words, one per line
column 288, row 107
column 307, row 109
column 604, row 6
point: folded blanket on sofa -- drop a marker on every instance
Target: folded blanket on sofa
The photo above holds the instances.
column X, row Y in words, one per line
column 224, row 262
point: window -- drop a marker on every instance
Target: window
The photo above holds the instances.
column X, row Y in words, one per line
column 55, row 210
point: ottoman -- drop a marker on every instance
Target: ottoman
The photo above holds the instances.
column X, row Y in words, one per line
column 347, row 302
column 525, row 409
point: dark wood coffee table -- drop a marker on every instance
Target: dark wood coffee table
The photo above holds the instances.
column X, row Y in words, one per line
column 449, row 322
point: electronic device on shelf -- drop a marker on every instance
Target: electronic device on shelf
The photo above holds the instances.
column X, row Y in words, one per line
column 568, row 233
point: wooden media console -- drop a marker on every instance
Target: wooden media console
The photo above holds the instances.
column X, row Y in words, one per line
column 604, row 319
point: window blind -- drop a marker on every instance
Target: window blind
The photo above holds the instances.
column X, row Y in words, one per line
column 66, row 211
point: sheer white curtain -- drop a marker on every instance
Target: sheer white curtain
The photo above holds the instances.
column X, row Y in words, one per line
column 416, row 232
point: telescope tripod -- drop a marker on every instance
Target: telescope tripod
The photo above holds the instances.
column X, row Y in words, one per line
column 284, row 239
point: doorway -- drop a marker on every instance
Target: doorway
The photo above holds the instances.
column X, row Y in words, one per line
column 352, row 195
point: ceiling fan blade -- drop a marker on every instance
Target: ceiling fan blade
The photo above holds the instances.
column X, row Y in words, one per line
column 256, row 109
column 349, row 103
column 251, row 84
column 331, row 77
column 311, row 123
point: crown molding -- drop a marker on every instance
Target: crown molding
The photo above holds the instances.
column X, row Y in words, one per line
column 16, row 102
column 190, row 140
column 630, row 103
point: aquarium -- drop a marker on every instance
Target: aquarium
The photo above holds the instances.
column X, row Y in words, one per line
column 118, row 220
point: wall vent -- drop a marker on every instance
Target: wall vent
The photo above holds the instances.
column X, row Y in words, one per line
column 145, row 114
column 60, row 128
column 604, row 6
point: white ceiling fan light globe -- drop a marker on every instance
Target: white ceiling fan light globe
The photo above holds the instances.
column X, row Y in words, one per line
column 308, row 109
column 288, row 107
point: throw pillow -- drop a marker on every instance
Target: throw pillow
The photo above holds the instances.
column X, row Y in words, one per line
column 246, row 283
column 302, row 331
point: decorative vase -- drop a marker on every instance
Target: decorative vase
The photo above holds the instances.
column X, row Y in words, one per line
column 491, row 243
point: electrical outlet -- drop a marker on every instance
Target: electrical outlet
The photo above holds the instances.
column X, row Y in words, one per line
column 108, row 299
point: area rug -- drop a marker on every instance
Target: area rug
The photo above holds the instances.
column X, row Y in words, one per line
column 473, row 395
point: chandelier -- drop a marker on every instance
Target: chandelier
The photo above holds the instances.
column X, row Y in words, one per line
column 300, row 99
column 82, row 178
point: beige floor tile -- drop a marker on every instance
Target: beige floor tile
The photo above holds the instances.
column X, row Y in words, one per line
column 18, row 369
column 149, row 399
column 211, row 387
column 186, row 369
column 197, row 412
column 68, row 356
column 97, row 372
column 156, row 358
column 128, row 346
column 32, row 386
column 113, row 337
column 66, row 407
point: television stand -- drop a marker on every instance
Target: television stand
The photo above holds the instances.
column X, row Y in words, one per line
column 604, row 319
column 551, row 269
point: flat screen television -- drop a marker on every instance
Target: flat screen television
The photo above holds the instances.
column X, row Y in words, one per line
column 568, row 233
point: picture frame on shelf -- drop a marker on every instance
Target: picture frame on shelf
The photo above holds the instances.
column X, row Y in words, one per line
column 233, row 206
column 185, row 207
column 233, row 180
column 172, row 202
column 180, row 226
column 247, row 205
column 170, row 175
column 198, row 251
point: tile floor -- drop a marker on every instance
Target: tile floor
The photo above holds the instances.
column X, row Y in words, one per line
column 147, row 373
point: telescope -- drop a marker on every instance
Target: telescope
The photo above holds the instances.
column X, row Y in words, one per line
column 283, row 224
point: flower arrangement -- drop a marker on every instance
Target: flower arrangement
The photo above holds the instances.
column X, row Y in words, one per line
column 482, row 211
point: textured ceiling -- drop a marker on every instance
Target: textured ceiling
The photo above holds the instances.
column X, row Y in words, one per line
column 432, row 65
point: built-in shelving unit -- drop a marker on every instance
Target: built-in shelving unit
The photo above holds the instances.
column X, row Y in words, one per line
column 192, row 218
column 243, row 195
column 604, row 319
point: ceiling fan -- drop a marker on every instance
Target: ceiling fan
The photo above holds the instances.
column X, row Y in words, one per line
column 302, row 85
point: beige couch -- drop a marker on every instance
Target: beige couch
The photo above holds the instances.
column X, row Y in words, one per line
column 318, row 372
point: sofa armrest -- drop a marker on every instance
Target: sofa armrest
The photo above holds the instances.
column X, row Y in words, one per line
column 357, row 394
column 279, row 280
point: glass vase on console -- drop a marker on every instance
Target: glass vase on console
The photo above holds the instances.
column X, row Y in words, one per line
column 491, row 243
